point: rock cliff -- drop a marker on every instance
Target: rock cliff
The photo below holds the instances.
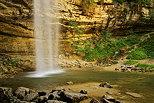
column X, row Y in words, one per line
column 16, row 19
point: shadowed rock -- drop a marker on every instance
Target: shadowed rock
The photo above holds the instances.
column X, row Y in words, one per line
column 83, row 91
column 136, row 95
column 55, row 101
column 26, row 94
column 105, row 85
column 74, row 97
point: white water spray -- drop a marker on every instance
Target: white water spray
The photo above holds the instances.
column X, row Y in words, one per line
column 46, row 30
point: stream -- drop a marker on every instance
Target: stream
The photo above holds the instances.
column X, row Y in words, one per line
column 135, row 82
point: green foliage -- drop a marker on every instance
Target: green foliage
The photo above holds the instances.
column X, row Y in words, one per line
column 148, row 46
column 88, row 3
column 74, row 27
column 130, row 62
column 76, row 31
column 72, row 23
column 137, row 2
column 102, row 47
column 137, row 54
column 145, row 66
column 88, row 7
column 132, row 38
column 10, row 63
column 121, row 1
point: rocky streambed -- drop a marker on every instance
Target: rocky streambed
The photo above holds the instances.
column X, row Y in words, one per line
column 70, row 93
column 127, row 88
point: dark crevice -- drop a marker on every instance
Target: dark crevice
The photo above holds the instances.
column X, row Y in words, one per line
column 11, row 22
column 12, row 35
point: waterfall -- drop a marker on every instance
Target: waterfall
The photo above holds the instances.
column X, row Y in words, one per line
column 46, row 30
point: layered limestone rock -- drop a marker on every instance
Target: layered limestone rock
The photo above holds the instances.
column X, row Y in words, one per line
column 90, row 19
column 16, row 26
column 16, row 23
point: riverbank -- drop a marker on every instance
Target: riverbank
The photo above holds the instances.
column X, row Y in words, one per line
column 85, row 80
column 92, row 92
column 78, row 65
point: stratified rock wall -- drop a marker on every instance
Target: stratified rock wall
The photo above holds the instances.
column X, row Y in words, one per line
column 16, row 23
column 16, row 26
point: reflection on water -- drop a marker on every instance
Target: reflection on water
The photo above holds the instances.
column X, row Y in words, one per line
column 140, row 83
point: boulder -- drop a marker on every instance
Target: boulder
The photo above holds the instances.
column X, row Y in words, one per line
column 110, row 93
column 5, row 95
column 55, row 101
column 26, row 94
column 83, row 92
column 21, row 92
column 59, row 90
column 105, row 85
column 117, row 101
column 110, row 99
column 73, row 97
column 31, row 96
column 94, row 101
column 42, row 99
column 53, row 96
column 106, row 101
column 69, row 83
column 24, row 102
column 136, row 95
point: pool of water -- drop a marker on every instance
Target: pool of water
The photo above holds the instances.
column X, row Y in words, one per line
column 134, row 82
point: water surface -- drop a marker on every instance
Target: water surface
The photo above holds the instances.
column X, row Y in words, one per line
column 134, row 82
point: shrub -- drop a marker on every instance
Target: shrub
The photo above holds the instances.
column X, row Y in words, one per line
column 137, row 54
column 148, row 46
column 132, row 39
column 88, row 7
column 145, row 66
column 130, row 62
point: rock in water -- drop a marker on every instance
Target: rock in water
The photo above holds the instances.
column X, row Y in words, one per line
column 105, row 85
column 110, row 99
column 83, row 91
column 74, row 97
column 106, row 101
column 55, row 101
column 136, row 95
column 69, row 83
column 94, row 101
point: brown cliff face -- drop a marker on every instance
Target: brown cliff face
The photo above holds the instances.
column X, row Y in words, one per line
column 83, row 19
column 16, row 27
column 80, row 20
column 16, row 23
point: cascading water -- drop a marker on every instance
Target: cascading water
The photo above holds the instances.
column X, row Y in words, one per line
column 46, row 30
